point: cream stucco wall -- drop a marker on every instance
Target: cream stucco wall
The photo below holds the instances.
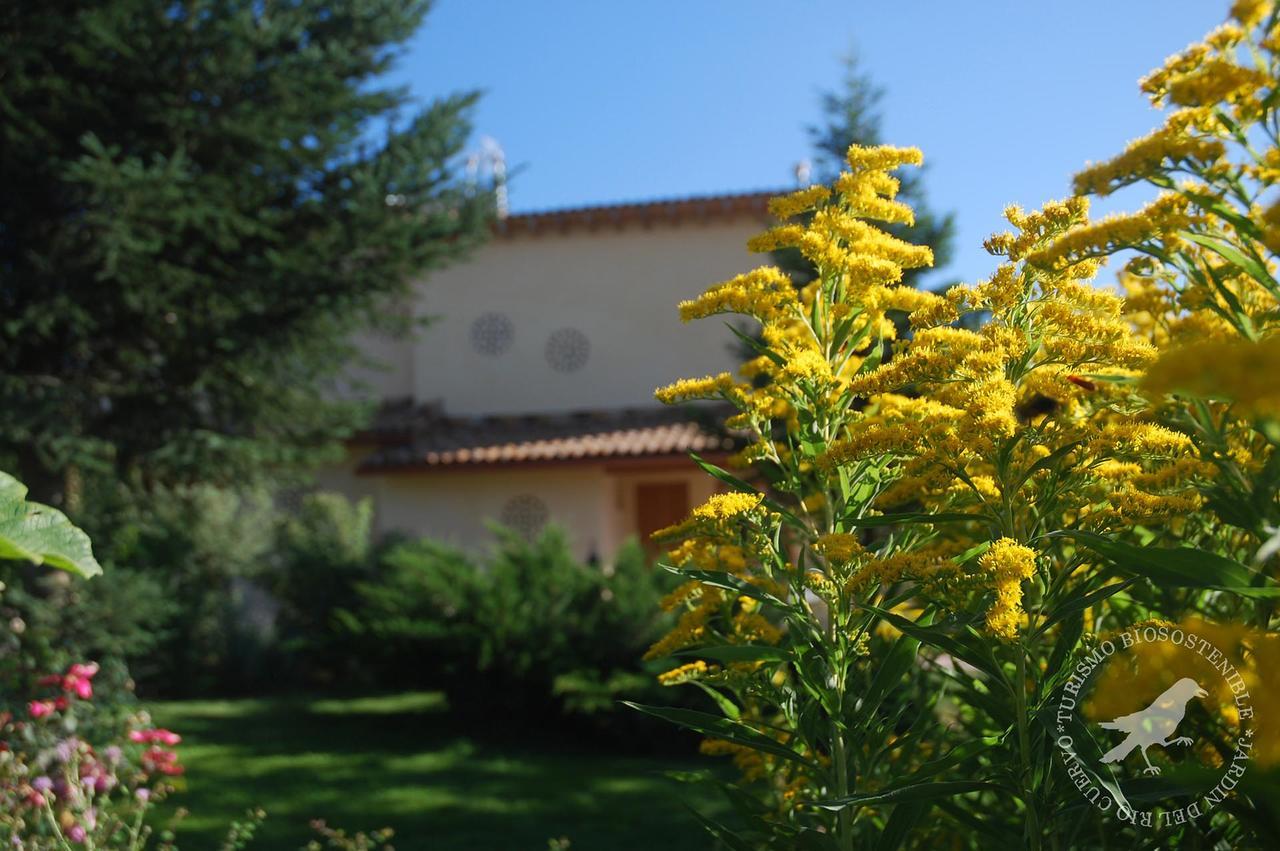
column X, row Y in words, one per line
column 618, row 287
column 594, row 504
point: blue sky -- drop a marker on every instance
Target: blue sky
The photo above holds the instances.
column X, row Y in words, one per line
column 619, row 101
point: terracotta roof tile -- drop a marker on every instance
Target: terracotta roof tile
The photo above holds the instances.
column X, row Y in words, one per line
column 421, row 437
column 645, row 213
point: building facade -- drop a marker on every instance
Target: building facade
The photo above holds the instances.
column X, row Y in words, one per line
column 529, row 397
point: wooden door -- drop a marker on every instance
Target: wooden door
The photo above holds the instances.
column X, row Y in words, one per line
column 659, row 504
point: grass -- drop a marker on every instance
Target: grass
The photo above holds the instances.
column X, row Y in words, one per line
column 404, row 762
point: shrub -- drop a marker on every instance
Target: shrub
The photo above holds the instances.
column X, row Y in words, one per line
column 321, row 552
column 529, row 633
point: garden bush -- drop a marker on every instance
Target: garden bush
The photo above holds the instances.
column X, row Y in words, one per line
column 529, row 633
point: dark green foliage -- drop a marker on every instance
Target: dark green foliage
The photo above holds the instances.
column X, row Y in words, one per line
column 202, row 201
column 208, row 550
column 532, row 632
column 51, row 621
column 321, row 552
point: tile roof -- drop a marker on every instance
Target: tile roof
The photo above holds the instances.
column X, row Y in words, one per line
column 644, row 213
column 420, row 437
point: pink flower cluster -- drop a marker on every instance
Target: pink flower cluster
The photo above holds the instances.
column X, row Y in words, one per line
column 53, row 774
column 156, row 759
column 77, row 681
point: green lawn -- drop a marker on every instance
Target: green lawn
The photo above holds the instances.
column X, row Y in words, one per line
column 403, row 762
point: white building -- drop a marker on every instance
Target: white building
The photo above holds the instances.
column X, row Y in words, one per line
column 530, row 398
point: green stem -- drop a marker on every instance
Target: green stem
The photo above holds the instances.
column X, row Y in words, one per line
column 1031, row 821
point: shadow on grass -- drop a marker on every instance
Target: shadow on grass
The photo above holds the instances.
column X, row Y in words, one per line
column 406, row 762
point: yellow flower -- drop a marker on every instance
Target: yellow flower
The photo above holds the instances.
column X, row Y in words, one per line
column 786, row 206
column 726, row 506
column 1164, row 149
column 840, row 547
column 882, row 157
column 687, row 673
column 1242, row 371
column 710, row 387
column 1164, row 216
column 763, row 293
column 1250, row 13
column 1008, row 563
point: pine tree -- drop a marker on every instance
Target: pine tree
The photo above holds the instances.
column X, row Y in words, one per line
column 202, row 201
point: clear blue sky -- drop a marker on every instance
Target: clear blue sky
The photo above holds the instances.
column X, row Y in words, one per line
column 605, row 100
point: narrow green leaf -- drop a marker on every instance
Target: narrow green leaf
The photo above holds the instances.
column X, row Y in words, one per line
column 912, row 792
column 738, row 653
column 721, row 728
column 1179, row 567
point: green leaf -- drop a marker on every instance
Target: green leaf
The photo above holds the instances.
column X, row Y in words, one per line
column 727, row 706
column 1235, row 256
column 722, row 728
column 1079, row 600
column 743, row 487
column 1179, row 567
column 959, row 647
column 731, row 840
column 738, row 653
column 911, row 792
column 900, row 659
column 903, row 818
column 908, row 517
column 729, row 582
column 37, row 533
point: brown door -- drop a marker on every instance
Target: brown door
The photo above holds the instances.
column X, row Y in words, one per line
column 659, row 504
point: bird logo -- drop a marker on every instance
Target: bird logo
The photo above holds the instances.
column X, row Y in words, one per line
column 1155, row 724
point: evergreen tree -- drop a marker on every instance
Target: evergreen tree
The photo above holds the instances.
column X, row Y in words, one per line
column 202, row 201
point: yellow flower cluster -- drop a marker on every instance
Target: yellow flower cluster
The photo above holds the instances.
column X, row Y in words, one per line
column 1158, row 220
column 763, row 293
column 840, row 547
column 727, row 506
column 1008, row 564
column 1165, row 149
column 710, row 387
column 1239, row 370
column 787, row 206
column 1135, row 677
column 687, row 673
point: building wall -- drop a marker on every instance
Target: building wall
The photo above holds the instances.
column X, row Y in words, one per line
column 619, row 288
column 594, row 503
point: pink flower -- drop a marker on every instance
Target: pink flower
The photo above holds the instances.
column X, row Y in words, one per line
column 40, row 708
column 76, row 834
column 161, row 736
column 79, row 679
column 163, row 761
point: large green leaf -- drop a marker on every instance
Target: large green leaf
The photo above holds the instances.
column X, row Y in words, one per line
column 37, row 533
column 738, row 653
column 1179, row 567
column 911, row 792
column 722, row 728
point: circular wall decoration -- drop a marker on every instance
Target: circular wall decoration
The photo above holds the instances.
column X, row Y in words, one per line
column 525, row 514
column 567, row 350
column 491, row 333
